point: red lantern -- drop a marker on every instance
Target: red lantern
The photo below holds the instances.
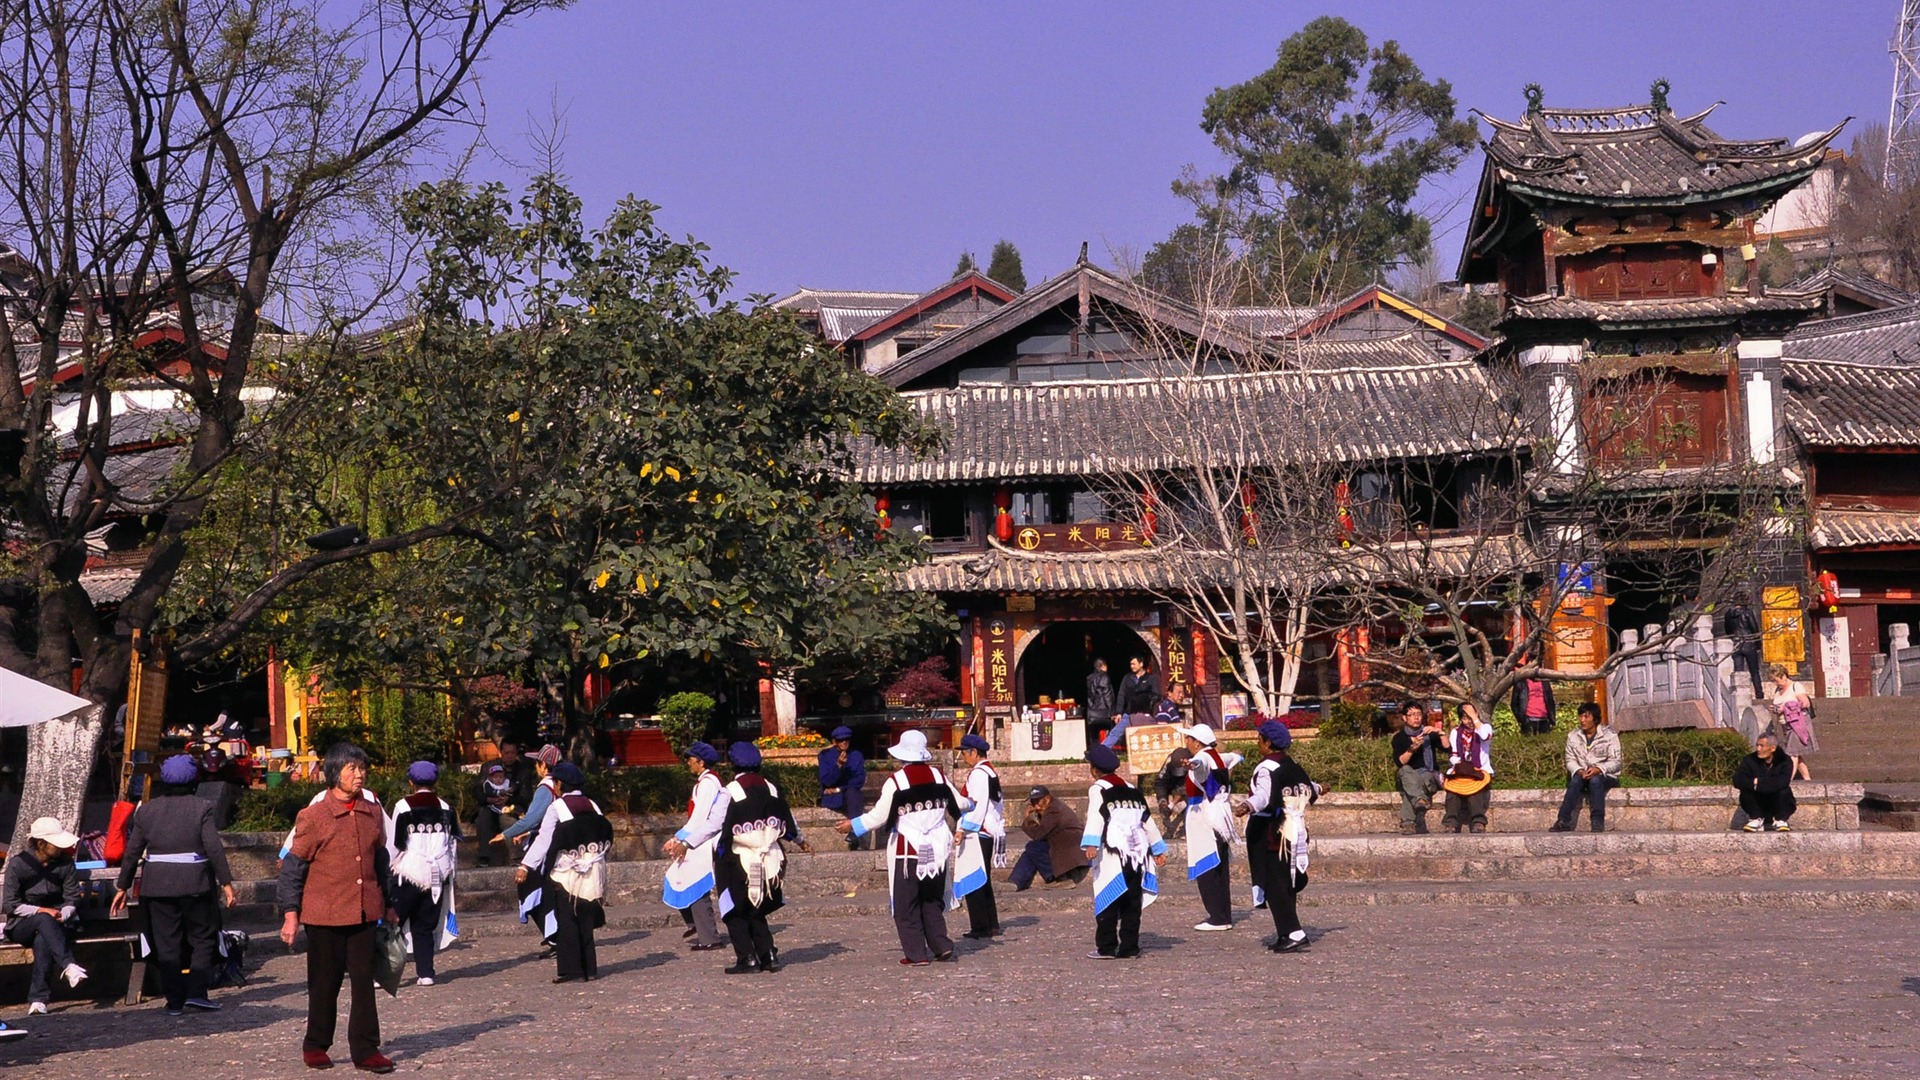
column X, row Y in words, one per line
column 1343, row 512
column 1149, row 515
column 1829, row 591
column 1249, row 523
column 1003, row 515
column 881, row 504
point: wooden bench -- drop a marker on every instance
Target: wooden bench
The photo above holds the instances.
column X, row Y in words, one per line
column 98, row 930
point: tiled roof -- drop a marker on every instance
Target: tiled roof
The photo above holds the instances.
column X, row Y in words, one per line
column 111, row 585
column 1002, row 569
column 805, row 299
column 1641, row 154
column 1621, row 312
column 1857, row 405
column 840, row 323
column 1874, row 337
column 1851, row 282
column 1269, row 322
column 1404, row 404
column 1862, row 528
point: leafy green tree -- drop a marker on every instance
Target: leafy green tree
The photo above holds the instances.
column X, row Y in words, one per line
column 639, row 469
column 1004, row 266
column 1325, row 153
column 966, row 265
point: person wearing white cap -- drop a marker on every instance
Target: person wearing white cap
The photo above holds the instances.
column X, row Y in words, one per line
column 40, row 899
column 914, row 805
column 1210, row 817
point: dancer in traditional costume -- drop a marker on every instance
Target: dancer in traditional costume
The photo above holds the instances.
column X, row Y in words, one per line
column 185, row 862
column 914, row 807
column 689, row 878
column 1210, row 818
column 568, row 861
column 750, row 862
column 1122, row 835
column 421, row 834
column 983, row 828
column 1277, row 833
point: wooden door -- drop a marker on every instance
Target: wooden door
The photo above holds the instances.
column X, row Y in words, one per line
column 1863, row 641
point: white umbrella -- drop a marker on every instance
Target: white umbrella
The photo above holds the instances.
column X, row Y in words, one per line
column 25, row 701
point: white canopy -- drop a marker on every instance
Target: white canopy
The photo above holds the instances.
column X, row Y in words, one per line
column 25, row 701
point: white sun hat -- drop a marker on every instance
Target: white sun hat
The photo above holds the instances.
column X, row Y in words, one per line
column 911, row 747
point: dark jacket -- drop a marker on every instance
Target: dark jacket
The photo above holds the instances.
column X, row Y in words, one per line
column 1765, row 777
column 849, row 779
column 31, row 883
column 521, row 775
column 1099, row 705
column 175, row 825
column 1519, row 699
column 1059, row 827
column 1139, row 693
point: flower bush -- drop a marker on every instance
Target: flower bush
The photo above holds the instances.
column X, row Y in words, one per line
column 1295, row 719
column 803, row 740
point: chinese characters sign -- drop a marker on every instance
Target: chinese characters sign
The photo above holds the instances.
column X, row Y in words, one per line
column 1174, row 642
column 1086, row 536
column 999, row 661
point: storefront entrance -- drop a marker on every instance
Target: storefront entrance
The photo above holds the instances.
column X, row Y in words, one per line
column 1055, row 665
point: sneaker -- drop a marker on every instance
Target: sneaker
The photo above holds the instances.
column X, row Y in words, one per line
column 38, row 1008
column 74, row 974
column 424, row 980
column 1212, row 926
column 1754, row 826
column 1098, row 955
column 375, row 1063
column 1781, row 826
column 204, row 1005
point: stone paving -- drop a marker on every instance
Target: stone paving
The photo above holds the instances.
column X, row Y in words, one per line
column 1449, row 989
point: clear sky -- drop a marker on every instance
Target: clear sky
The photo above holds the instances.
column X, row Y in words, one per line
column 865, row 145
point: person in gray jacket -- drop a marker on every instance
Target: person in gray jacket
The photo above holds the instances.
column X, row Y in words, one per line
column 1593, row 769
column 173, row 834
column 41, row 901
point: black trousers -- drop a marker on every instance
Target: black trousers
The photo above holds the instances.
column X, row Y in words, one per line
column 920, row 912
column 1746, row 656
column 983, row 912
column 1768, row 805
column 184, row 933
column 335, row 953
column 1262, row 861
column 1282, row 901
column 421, row 913
column 1116, row 931
column 1216, row 888
column 574, row 955
column 752, row 937
column 1468, row 810
column 52, row 943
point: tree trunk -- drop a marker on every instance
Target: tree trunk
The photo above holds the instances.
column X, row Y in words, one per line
column 60, row 758
column 1290, row 658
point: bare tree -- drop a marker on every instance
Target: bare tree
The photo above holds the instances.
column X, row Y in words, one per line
column 183, row 180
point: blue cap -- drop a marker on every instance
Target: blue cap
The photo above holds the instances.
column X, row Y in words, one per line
column 841, row 732
column 1276, row 734
column 1102, row 757
column 179, row 769
column 970, row 741
column 423, row 772
column 704, row 751
column 569, row 775
column 744, row 755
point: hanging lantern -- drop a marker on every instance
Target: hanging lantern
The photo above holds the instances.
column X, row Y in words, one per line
column 1003, row 514
column 1829, row 591
column 1249, row 523
column 881, row 505
column 1343, row 512
column 1149, row 514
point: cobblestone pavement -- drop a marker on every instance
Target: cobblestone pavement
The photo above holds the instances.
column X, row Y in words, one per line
column 1384, row 992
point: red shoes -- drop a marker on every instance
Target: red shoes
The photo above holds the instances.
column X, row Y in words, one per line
column 378, row 1063
column 316, row 1059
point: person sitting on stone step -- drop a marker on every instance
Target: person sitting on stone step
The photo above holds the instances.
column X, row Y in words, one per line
column 40, row 902
column 1764, row 781
column 1593, row 769
column 1415, row 749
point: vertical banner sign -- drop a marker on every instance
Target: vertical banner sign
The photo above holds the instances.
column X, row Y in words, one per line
column 146, row 709
column 1836, row 663
column 999, row 661
column 1783, row 637
column 1174, row 644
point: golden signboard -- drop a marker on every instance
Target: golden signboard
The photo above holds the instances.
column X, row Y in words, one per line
column 1577, row 640
column 999, row 666
column 1783, row 637
column 1148, row 746
column 146, row 707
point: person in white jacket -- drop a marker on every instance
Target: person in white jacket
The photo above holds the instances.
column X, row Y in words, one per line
column 983, row 824
column 689, row 880
column 915, row 806
column 422, row 833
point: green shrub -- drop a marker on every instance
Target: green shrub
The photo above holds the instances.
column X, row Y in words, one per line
column 1348, row 720
column 273, row 809
column 683, row 718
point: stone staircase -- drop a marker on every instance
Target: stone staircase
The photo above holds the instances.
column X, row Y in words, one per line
column 1867, row 740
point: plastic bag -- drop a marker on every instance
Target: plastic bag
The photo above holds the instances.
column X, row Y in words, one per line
column 389, row 957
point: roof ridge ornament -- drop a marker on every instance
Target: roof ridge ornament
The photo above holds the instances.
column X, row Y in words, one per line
column 1535, row 96
column 1660, row 88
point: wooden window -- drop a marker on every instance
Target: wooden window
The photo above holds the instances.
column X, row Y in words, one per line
column 1643, row 272
column 1659, row 418
column 1866, row 481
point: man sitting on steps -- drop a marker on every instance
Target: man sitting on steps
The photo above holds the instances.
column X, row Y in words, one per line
column 1764, row 781
column 1414, row 748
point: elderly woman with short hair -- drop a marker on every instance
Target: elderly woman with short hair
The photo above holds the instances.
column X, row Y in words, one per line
column 333, row 881
column 177, row 838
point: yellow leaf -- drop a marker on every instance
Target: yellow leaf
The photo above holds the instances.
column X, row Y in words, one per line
column 600, row 582
column 672, row 473
column 459, row 619
column 646, row 469
column 716, row 603
column 694, row 495
column 605, row 660
column 513, row 417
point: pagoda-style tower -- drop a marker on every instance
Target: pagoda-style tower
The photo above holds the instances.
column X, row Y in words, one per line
column 1611, row 231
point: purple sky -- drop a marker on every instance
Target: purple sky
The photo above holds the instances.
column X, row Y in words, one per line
column 865, row 145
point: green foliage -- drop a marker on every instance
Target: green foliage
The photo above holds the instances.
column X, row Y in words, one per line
column 625, row 465
column 1004, row 266
column 966, row 265
column 683, row 717
column 1326, row 151
column 1648, row 757
column 1350, row 720
column 1566, row 717
column 272, row 809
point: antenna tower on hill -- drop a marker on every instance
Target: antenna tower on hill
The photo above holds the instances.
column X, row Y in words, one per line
column 1903, row 118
